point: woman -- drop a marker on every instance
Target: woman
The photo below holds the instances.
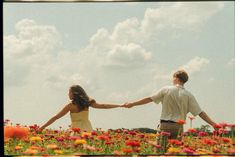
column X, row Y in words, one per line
column 79, row 109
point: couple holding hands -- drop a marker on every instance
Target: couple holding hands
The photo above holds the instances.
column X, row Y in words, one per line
column 176, row 102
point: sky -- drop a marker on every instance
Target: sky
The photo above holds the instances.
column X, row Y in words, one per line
column 118, row 52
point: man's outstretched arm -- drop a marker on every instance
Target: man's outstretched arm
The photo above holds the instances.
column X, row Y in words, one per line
column 206, row 118
column 140, row 102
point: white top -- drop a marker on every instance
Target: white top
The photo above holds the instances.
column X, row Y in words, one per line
column 80, row 120
column 176, row 103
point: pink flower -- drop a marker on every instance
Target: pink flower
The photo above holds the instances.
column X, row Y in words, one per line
column 60, row 139
column 223, row 131
column 73, row 137
column 223, row 124
column 231, row 151
column 202, row 133
column 191, row 118
column 163, row 133
column 93, row 133
column 188, row 151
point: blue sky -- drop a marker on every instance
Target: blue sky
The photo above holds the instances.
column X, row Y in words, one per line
column 118, row 52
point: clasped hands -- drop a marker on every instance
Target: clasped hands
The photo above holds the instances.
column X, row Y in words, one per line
column 127, row 105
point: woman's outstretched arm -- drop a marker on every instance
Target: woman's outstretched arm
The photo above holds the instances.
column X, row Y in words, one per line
column 104, row 106
column 54, row 118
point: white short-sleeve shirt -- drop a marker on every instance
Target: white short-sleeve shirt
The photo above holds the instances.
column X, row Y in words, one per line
column 176, row 103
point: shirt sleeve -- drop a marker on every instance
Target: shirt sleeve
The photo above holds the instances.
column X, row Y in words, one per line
column 194, row 107
column 158, row 97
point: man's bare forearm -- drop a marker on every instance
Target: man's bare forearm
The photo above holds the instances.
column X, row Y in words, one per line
column 206, row 118
column 142, row 101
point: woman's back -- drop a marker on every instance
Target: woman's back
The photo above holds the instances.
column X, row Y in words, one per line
column 80, row 119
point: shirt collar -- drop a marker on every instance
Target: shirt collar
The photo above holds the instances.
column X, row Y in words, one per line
column 180, row 86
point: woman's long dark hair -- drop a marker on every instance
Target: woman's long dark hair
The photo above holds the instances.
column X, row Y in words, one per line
column 80, row 98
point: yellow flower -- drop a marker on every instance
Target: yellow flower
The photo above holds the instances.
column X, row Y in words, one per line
column 52, row 146
column 151, row 135
column 78, row 142
column 173, row 150
column 30, row 152
column 58, row 151
column 35, row 138
column 202, row 151
column 18, row 147
column 86, row 134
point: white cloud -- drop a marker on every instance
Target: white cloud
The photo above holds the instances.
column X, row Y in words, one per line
column 126, row 56
column 180, row 15
column 231, row 62
column 34, row 45
column 126, row 31
column 192, row 66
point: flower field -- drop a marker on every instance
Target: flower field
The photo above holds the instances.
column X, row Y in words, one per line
column 24, row 140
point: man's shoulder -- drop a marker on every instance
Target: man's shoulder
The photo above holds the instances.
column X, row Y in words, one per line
column 168, row 87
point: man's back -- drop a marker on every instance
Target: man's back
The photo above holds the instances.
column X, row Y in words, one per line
column 176, row 103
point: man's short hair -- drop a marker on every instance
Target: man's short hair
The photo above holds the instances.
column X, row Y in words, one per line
column 181, row 75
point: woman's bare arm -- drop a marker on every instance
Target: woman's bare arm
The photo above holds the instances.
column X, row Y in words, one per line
column 104, row 106
column 64, row 111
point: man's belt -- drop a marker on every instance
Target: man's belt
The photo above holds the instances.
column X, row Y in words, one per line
column 167, row 121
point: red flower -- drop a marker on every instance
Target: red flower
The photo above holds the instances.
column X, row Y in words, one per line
column 56, row 131
column 76, row 130
column 181, row 121
column 209, row 141
column 231, row 125
column 217, row 126
column 191, row 130
column 226, row 140
column 141, row 135
column 223, row 124
column 127, row 150
column 175, row 142
column 216, row 150
column 118, row 131
column 108, row 142
column 133, row 143
column 132, row 133
column 17, row 132
column 103, row 137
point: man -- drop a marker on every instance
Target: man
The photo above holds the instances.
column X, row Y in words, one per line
column 176, row 103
